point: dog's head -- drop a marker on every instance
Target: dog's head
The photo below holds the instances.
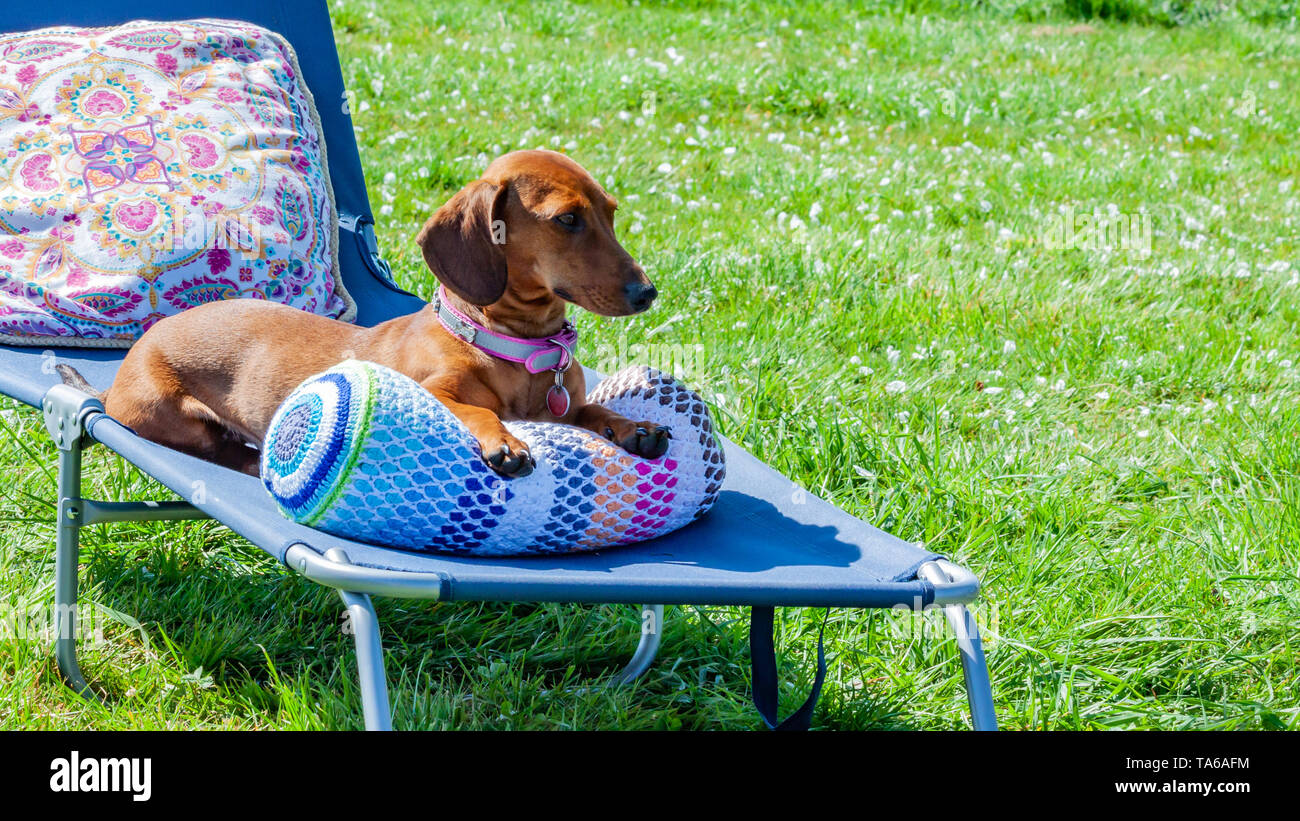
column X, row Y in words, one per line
column 538, row 226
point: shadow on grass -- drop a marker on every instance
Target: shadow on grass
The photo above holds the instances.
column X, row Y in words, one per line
column 223, row 618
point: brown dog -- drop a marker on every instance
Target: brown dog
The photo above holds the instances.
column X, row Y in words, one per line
column 208, row 381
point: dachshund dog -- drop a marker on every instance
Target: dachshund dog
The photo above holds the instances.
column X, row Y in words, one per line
column 510, row 249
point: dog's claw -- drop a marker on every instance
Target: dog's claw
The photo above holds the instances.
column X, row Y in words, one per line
column 648, row 443
column 510, row 464
column 657, row 445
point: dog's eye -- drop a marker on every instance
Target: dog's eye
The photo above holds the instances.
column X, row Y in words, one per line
column 569, row 221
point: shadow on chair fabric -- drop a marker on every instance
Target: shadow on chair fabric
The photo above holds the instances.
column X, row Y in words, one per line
column 764, row 545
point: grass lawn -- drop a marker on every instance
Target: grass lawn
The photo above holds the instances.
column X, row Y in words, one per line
column 872, row 233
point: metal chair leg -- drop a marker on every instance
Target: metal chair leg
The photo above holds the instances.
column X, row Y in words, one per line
column 67, row 555
column 975, row 670
column 65, row 410
column 652, row 620
column 370, row 653
column 979, row 689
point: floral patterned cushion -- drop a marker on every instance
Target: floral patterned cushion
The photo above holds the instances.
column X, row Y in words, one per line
column 152, row 167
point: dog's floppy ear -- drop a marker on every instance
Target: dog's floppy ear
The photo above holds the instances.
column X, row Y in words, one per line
column 463, row 242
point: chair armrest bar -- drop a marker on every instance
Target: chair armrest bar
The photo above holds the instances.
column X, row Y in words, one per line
column 953, row 584
column 356, row 579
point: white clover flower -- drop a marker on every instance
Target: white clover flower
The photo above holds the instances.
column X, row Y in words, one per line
column 1008, row 347
column 897, row 386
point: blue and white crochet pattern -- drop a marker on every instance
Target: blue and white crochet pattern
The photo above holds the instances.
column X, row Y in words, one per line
column 364, row 452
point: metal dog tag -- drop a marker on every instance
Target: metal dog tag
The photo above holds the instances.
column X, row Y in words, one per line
column 557, row 398
column 557, row 401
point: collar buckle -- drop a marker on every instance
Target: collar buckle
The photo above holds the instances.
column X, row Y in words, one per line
column 465, row 331
column 451, row 321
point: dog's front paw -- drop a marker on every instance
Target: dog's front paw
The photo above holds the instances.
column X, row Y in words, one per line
column 509, row 458
column 644, row 439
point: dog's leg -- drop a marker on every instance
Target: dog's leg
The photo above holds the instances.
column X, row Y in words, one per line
column 187, row 425
column 235, row 454
column 503, row 452
column 644, row 439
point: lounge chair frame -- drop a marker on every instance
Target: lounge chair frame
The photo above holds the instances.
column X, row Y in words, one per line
column 68, row 414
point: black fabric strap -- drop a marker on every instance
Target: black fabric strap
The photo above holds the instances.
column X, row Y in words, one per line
column 762, row 658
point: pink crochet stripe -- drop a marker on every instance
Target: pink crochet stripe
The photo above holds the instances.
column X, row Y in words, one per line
column 655, row 506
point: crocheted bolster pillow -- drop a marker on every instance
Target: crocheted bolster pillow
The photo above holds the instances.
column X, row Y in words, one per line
column 364, row 452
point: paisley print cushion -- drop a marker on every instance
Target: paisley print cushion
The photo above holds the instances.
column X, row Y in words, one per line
column 152, row 167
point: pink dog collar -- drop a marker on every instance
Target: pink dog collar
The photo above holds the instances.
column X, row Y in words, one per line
column 548, row 353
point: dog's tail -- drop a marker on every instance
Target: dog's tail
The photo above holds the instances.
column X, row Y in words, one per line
column 73, row 379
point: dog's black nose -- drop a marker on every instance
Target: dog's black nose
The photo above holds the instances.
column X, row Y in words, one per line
column 640, row 295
